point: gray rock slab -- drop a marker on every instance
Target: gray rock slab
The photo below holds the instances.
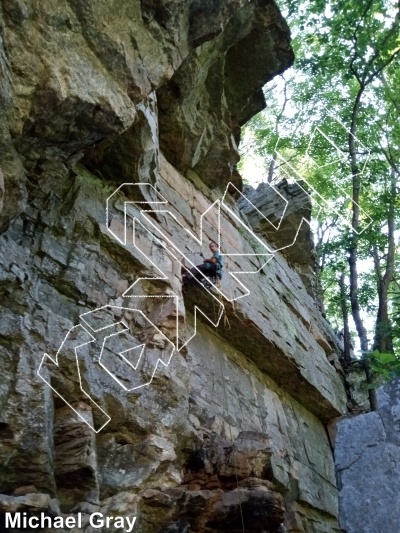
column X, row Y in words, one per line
column 367, row 457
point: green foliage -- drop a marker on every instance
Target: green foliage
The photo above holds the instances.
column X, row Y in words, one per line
column 384, row 365
column 346, row 52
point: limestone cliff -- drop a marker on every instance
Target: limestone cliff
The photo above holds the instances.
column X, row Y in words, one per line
column 230, row 435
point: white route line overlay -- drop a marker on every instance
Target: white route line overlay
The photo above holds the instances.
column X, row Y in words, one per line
column 183, row 257
column 82, row 328
column 56, row 362
column 269, row 253
column 341, row 156
column 199, row 240
column 174, row 296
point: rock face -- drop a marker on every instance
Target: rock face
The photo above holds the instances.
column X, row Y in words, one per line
column 367, row 456
column 230, row 433
column 281, row 213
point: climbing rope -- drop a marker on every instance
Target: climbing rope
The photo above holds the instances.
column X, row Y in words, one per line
column 233, row 445
column 225, row 412
column 262, row 422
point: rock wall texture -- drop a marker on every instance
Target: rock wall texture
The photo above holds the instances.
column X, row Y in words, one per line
column 367, row 456
column 230, row 435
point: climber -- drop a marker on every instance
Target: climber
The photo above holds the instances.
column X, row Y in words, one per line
column 211, row 268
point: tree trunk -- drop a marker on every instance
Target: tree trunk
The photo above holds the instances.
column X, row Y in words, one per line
column 271, row 168
column 353, row 248
column 383, row 336
column 345, row 313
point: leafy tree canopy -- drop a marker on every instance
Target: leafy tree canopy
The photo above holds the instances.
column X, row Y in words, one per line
column 334, row 120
